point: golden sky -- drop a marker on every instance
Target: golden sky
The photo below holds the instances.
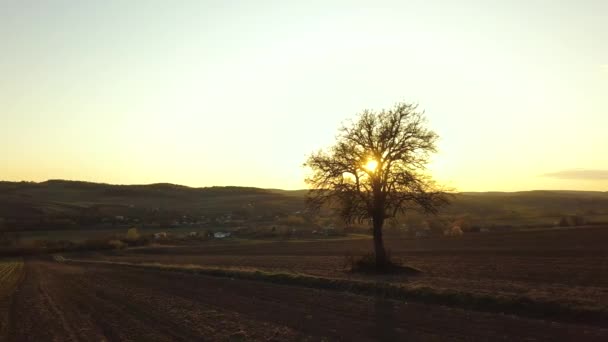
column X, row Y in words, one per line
column 239, row 92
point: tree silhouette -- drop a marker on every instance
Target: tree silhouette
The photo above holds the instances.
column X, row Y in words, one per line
column 376, row 170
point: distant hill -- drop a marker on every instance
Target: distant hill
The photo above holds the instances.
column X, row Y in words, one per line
column 29, row 202
column 529, row 207
column 30, row 205
column 296, row 193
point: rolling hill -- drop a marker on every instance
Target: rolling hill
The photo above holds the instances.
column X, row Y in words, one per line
column 50, row 204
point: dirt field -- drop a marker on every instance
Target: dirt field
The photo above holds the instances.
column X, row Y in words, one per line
column 44, row 300
column 66, row 302
column 570, row 266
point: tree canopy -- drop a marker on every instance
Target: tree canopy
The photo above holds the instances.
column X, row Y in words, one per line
column 377, row 169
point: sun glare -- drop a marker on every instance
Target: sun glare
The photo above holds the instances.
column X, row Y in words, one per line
column 371, row 165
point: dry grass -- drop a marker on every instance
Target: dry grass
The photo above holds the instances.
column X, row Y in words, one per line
column 11, row 271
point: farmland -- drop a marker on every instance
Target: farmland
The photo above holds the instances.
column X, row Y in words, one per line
column 11, row 271
column 90, row 300
column 94, row 296
column 569, row 265
column 303, row 171
column 58, row 301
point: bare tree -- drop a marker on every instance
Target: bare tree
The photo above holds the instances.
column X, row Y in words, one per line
column 376, row 170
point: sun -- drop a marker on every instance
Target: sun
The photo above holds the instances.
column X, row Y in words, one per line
column 371, row 165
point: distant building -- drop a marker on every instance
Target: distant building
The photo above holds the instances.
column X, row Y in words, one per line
column 161, row 235
column 221, row 235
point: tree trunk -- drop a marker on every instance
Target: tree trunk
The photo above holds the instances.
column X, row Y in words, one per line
column 379, row 251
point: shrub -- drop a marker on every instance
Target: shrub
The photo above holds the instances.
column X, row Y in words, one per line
column 132, row 235
column 117, row 244
column 367, row 264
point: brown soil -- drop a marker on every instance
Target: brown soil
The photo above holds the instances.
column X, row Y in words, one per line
column 67, row 302
column 570, row 266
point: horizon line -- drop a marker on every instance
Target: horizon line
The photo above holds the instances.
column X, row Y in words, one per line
column 262, row 188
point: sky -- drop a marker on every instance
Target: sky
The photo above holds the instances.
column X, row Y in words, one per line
column 206, row 93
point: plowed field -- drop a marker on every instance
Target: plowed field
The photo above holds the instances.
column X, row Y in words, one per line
column 67, row 302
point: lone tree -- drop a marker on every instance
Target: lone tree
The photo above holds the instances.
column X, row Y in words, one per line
column 376, row 170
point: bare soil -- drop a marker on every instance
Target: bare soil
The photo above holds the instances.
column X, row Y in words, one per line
column 568, row 265
column 68, row 302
